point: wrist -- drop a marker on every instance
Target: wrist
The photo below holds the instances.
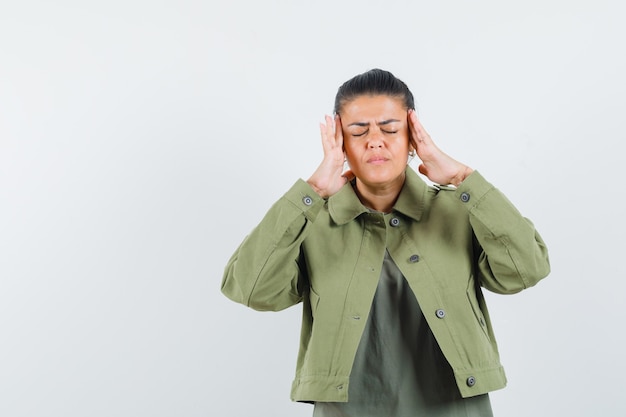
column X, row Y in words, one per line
column 316, row 188
column 460, row 177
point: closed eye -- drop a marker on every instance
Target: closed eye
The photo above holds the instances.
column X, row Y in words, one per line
column 391, row 132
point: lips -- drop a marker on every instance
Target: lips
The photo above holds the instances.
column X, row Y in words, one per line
column 377, row 159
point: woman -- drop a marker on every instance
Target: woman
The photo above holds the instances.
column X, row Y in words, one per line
column 389, row 269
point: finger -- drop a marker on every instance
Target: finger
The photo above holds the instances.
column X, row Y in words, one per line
column 327, row 133
column 330, row 129
column 338, row 131
column 412, row 131
column 323, row 136
column 423, row 136
column 420, row 132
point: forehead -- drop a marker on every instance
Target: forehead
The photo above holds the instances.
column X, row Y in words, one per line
column 377, row 107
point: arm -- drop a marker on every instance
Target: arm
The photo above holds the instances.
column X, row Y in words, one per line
column 327, row 178
column 266, row 271
column 511, row 255
column 436, row 165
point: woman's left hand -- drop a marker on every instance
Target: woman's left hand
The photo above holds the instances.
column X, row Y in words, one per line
column 436, row 165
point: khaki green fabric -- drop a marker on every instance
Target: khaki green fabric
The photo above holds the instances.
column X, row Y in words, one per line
column 399, row 370
column 447, row 242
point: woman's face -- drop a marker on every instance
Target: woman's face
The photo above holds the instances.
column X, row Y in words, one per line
column 376, row 139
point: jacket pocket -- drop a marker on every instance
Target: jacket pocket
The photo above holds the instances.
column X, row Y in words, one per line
column 315, row 300
column 478, row 313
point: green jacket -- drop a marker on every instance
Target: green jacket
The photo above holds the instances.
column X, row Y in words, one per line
column 448, row 242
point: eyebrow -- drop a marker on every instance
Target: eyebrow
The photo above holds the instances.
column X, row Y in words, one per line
column 364, row 124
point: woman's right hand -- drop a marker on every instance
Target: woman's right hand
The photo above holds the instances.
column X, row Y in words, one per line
column 329, row 177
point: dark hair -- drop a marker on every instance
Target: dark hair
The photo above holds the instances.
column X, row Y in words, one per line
column 374, row 82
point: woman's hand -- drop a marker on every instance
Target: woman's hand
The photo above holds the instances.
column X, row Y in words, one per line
column 329, row 177
column 436, row 165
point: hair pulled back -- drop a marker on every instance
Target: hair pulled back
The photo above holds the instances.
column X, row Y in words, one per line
column 373, row 82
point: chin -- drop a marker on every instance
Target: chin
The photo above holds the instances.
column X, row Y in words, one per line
column 381, row 178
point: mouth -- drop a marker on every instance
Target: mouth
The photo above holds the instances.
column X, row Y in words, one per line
column 377, row 160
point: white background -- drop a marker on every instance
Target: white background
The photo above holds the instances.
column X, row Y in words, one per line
column 141, row 141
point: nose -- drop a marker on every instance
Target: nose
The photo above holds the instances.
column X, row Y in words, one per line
column 375, row 140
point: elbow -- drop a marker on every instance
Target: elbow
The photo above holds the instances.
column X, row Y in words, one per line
column 272, row 301
column 512, row 281
column 231, row 289
column 540, row 270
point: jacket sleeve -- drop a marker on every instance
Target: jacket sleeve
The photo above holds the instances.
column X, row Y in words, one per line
column 511, row 255
column 266, row 271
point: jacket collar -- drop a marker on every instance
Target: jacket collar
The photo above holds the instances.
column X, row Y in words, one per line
column 345, row 205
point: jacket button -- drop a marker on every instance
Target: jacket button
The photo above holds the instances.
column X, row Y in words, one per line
column 414, row 258
column 307, row 200
column 465, row 197
column 440, row 313
column 395, row 222
column 471, row 381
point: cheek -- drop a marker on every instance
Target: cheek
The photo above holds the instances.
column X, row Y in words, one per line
column 350, row 146
column 349, row 157
column 406, row 138
column 352, row 156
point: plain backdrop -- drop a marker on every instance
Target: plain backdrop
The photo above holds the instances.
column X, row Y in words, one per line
column 141, row 141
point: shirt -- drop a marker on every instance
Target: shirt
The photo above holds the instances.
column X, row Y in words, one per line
column 399, row 370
